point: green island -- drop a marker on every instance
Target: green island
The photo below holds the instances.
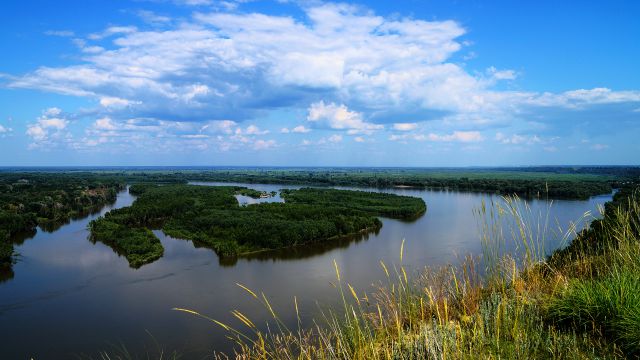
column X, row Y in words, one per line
column 211, row 216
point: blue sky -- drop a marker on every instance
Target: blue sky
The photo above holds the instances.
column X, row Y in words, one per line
column 403, row 83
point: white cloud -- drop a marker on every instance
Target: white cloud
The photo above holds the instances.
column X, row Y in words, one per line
column 582, row 98
column 599, row 147
column 517, row 139
column 382, row 64
column 254, row 59
column 264, row 144
column 5, row 130
column 335, row 138
column 105, row 124
column 339, row 117
column 456, row 136
column 114, row 102
column 405, row 126
column 48, row 126
column 285, row 131
column 501, row 74
column 351, row 69
column 38, row 133
column 219, row 126
column 300, row 129
column 459, row 136
column 53, row 111
column 251, row 130
column 193, row 2
column 61, row 33
column 113, row 30
column 359, row 139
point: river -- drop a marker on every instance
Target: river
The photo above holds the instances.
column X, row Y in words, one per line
column 69, row 297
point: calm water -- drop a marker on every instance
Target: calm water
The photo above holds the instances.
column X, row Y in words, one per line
column 69, row 297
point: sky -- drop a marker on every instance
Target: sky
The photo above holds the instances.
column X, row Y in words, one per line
column 315, row 83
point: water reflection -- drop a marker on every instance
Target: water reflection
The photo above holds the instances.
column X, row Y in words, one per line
column 301, row 252
column 69, row 296
column 6, row 273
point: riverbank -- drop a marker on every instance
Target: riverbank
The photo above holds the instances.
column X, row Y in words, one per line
column 583, row 302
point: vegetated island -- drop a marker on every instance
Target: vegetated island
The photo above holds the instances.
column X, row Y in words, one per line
column 28, row 200
column 211, row 216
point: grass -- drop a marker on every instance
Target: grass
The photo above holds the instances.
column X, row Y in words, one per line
column 520, row 304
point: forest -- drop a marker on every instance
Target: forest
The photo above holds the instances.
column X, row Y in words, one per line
column 577, row 183
column 531, row 184
column 50, row 197
column 211, row 216
column 28, row 200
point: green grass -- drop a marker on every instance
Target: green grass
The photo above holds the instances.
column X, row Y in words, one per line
column 609, row 305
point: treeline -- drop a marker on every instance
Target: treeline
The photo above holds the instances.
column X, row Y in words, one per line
column 31, row 199
column 211, row 216
column 382, row 204
column 553, row 183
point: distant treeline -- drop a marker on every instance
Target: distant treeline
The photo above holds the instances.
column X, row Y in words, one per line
column 563, row 182
column 211, row 216
column 524, row 184
column 32, row 199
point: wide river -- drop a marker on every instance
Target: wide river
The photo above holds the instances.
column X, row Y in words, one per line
column 69, row 297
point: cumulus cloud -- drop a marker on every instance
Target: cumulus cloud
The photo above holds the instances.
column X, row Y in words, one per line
column 300, row 129
column 405, row 126
column 335, row 138
column 264, row 144
column 48, row 126
column 339, row 117
column 501, row 74
column 517, row 139
column 459, row 136
column 114, row 102
column 233, row 65
column 220, row 126
column 113, row 30
column 353, row 72
column 237, row 63
column 5, row 130
column 193, row 2
column 251, row 130
column 456, row 136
